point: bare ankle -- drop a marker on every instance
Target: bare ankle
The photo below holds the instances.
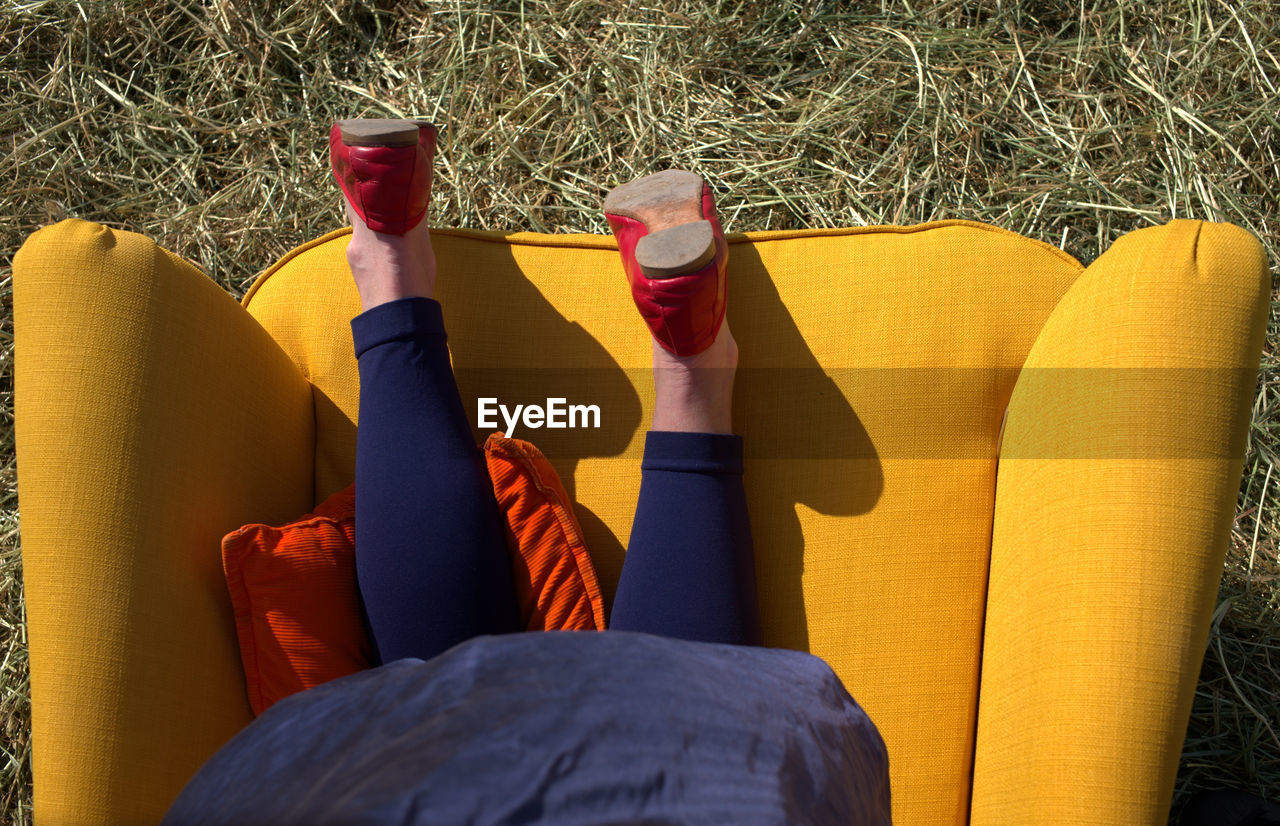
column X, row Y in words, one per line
column 695, row 394
column 390, row 267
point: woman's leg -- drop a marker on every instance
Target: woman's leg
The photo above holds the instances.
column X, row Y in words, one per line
column 690, row 567
column 431, row 554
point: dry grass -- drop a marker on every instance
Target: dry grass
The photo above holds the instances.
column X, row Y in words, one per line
column 201, row 125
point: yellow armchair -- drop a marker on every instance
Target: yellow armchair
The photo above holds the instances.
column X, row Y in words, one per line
column 1020, row 602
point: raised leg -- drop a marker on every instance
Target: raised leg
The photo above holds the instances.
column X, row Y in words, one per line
column 431, row 554
column 690, row 566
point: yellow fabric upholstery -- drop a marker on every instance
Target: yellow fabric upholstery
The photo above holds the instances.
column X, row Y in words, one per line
column 877, row 365
column 1119, row 473
column 153, row 416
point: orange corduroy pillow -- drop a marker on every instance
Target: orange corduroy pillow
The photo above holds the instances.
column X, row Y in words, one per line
column 293, row 588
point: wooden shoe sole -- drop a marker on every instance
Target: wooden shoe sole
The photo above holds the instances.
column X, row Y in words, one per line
column 380, row 131
column 680, row 240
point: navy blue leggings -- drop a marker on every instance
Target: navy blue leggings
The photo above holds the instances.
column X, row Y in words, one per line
column 431, row 552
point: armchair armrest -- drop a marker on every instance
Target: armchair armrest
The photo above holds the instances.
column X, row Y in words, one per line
column 153, row 415
column 1118, row 477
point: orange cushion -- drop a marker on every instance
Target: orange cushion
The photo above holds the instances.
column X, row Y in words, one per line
column 556, row 583
column 297, row 607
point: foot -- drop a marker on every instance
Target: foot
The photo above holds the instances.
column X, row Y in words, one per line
column 387, row 164
column 695, row 393
column 674, row 255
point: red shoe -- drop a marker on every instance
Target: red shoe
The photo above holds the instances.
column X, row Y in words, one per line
column 384, row 168
column 675, row 256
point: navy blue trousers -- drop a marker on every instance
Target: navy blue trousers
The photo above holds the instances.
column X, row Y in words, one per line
column 431, row 553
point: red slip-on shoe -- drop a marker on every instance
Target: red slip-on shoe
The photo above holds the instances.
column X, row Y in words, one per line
column 384, row 168
column 675, row 256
